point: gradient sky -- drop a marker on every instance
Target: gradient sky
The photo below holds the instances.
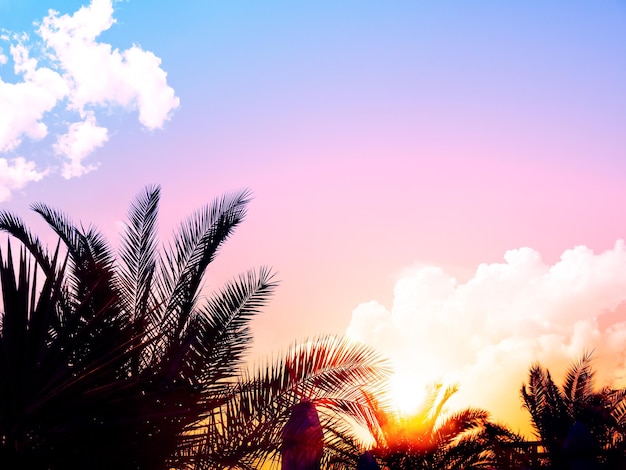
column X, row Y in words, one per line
column 396, row 151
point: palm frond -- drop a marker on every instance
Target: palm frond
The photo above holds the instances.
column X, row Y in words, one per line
column 195, row 245
column 459, row 423
column 63, row 227
column 121, row 362
column 92, row 274
column 136, row 272
column 14, row 226
column 433, row 439
column 617, row 400
column 138, row 251
column 222, row 325
column 543, row 400
column 87, row 247
column 579, row 377
column 555, row 411
column 438, row 405
column 326, row 371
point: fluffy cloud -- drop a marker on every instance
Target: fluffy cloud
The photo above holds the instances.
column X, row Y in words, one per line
column 79, row 75
column 81, row 139
column 486, row 332
column 15, row 174
column 24, row 104
column 102, row 76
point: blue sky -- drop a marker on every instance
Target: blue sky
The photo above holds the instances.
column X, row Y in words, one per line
column 396, row 150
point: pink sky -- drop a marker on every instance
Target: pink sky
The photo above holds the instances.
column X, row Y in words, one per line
column 378, row 140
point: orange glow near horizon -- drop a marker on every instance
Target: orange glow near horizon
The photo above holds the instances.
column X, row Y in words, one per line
column 407, row 393
column 440, row 181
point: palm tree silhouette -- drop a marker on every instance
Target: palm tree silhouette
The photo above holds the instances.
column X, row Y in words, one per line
column 107, row 365
column 121, row 363
column 576, row 423
column 301, row 410
column 432, row 439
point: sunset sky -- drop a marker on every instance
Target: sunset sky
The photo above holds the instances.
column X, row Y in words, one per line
column 445, row 181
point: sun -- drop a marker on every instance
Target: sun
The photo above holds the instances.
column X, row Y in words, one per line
column 407, row 393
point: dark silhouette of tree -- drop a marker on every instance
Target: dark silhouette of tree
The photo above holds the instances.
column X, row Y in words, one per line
column 107, row 365
column 314, row 395
column 121, row 362
column 367, row 462
column 577, row 424
column 432, row 439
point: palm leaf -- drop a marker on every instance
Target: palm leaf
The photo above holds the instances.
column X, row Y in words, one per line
column 327, row 371
column 15, row 226
column 437, row 406
column 222, row 325
column 459, row 423
column 194, row 247
column 138, row 258
column 138, row 251
column 579, row 379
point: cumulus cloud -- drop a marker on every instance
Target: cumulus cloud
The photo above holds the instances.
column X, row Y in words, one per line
column 15, row 174
column 101, row 76
column 70, row 72
column 81, row 139
column 486, row 332
column 24, row 104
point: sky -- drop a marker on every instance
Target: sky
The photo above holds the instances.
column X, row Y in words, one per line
column 444, row 181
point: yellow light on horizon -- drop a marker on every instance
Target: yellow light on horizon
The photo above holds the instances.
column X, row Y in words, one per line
column 407, row 393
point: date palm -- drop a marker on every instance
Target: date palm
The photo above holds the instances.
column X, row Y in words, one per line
column 432, row 439
column 106, row 363
column 120, row 362
column 576, row 418
column 307, row 404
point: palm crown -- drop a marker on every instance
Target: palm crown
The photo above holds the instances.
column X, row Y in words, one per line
column 122, row 357
column 432, row 439
column 118, row 362
column 576, row 417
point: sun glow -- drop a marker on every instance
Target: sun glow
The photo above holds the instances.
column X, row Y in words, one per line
column 407, row 393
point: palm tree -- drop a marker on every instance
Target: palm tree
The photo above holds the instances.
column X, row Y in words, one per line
column 316, row 394
column 120, row 363
column 107, row 365
column 431, row 439
column 576, row 422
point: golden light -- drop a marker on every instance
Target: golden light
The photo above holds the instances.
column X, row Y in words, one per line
column 407, row 393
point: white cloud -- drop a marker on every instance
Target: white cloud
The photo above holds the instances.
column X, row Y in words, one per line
column 486, row 332
column 81, row 139
column 100, row 75
column 154, row 98
column 15, row 174
column 24, row 104
column 79, row 76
